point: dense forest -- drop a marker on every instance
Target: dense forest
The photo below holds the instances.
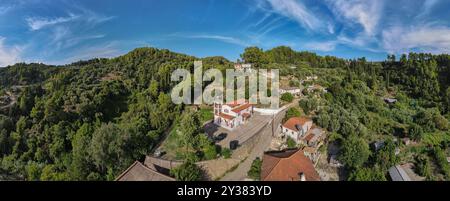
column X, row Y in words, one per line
column 91, row 119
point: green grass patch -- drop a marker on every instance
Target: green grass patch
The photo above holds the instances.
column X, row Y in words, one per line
column 436, row 138
column 206, row 114
column 172, row 145
column 291, row 143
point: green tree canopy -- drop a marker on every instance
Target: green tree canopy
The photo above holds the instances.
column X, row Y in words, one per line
column 354, row 152
column 188, row 171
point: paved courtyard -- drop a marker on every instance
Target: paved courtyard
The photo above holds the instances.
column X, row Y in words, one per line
column 242, row 133
column 263, row 144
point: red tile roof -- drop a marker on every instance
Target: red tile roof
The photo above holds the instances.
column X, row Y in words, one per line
column 309, row 137
column 226, row 116
column 237, row 102
column 242, row 107
column 294, row 121
column 287, row 166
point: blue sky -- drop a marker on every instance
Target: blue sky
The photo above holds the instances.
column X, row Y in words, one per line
column 63, row 31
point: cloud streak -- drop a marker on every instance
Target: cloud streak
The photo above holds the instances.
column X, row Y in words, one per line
column 363, row 12
column 326, row 46
column 84, row 15
column 225, row 39
column 37, row 23
column 296, row 11
column 56, row 36
column 105, row 50
column 423, row 38
column 5, row 9
column 428, row 5
column 9, row 55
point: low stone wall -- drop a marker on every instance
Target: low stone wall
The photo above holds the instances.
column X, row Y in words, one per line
column 218, row 167
column 266, row 111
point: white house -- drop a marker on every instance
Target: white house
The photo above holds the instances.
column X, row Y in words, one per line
column 232, row 115
column 243, row 67
column 296, row 128
column 311, row 78
column 295, row 91
column 316, row 87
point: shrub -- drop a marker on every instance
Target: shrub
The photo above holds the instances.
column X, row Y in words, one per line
column 188, row 171
column 292, row 112
column 255, row 170
column 226, row 153
column 287, row 97
column 291, row 143
column 423, row 167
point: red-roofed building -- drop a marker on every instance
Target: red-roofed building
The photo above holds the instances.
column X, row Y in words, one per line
column 233, row 114
column 290, row 165
column 243, row 67
column 296, row 128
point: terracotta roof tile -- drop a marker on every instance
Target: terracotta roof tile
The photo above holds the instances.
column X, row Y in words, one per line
column 242, row 107
column 294, row 121
column 287, row 166
column 237, row 102
column 309, row 137
column 226, row 116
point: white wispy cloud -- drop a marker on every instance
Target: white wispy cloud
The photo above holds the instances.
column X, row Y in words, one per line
column 9, row 55
column 364, row 12
column 270, row 26
column 77, row 28
column 427, row 7
column 322, row 46
column 80, row 14
column 103, row 50
column 63, row 37
column 263, row 19
column 95, row 18
column 5, row 9
column 425, row 38
column 330, row 28
column 60, row 33
column 295, row 10
column 226, row 39
column 428, row 4
column 37, row 23
column 360, row 41
column 76, row 40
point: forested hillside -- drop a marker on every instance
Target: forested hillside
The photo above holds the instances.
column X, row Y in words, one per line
column 357, row 115
column 90, row 120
